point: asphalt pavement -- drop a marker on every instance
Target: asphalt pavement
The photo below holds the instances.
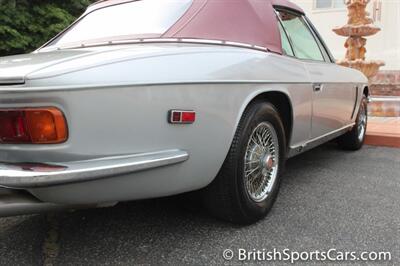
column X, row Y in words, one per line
column 329, row 199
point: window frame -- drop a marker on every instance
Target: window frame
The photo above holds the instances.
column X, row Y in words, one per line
column 321, row 43
column 326, row 55
column 287, row 37
column 330, row 8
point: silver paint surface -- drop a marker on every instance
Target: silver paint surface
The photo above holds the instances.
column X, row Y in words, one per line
column 116, row 98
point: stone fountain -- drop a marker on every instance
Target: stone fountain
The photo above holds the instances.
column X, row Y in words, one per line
column 358, row 26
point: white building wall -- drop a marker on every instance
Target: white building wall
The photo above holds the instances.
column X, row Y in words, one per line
column 385, row 45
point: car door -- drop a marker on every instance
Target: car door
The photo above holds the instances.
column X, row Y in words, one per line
column 333, row 98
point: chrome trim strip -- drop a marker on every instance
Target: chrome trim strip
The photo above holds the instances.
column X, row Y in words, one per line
column 11, row 80
column 296, row 150
column 42, row 175
column 385, row 99
column 168, row 83
column 161, row 40
column 355, row 104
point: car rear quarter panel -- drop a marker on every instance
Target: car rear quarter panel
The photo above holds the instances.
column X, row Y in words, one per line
column 121, row 108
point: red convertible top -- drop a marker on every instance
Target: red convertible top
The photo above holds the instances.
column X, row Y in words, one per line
column 250, row 22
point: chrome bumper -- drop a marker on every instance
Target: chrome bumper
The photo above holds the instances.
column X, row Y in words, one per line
column 25, row 176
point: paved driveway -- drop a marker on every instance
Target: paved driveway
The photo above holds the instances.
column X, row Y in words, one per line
column 329, row 199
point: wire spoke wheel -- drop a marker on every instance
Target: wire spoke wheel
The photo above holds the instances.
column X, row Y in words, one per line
column 362, row 122
column 248, row 183
column 261, row 161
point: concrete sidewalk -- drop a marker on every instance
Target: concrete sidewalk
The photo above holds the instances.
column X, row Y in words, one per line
column 383, row 131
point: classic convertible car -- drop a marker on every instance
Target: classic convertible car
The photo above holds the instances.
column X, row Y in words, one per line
column 151, row 98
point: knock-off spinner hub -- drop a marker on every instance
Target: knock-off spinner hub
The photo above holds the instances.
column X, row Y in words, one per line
column 267, row 162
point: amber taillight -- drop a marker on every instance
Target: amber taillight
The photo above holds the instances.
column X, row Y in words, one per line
column 45, row 125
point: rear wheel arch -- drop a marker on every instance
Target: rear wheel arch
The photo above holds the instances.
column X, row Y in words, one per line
column 228, row 196
column 282, row 103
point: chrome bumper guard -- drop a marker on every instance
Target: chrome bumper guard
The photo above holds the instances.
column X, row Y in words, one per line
column 33, row 175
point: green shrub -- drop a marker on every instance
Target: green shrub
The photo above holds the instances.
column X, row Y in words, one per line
column 27, row 24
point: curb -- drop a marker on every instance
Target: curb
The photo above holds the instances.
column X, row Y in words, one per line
column 382, row 140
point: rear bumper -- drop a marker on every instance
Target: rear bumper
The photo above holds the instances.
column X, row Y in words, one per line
column 35, row 175
column 18, row 180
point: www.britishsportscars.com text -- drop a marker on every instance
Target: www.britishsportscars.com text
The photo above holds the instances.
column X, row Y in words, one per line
column 288, row 255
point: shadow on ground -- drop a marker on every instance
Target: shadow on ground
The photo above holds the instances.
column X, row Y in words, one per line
column 329, row 199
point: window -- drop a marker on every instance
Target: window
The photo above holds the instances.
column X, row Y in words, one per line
column 303, row 42
column 326, row 4
column 286, row 47
column 131, row 20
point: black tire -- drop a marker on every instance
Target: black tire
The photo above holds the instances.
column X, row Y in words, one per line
column 227, row 197
column 354, row 139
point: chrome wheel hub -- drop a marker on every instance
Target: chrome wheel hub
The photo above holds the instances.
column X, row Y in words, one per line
column 261, row 161
column 268, row 162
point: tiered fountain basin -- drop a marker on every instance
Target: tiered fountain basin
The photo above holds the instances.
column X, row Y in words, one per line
column 357, row 30
column 370, row 68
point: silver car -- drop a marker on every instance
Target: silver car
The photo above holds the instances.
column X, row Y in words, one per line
column 151, row 98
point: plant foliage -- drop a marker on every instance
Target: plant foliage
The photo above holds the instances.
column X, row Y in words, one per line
column 27, row 24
